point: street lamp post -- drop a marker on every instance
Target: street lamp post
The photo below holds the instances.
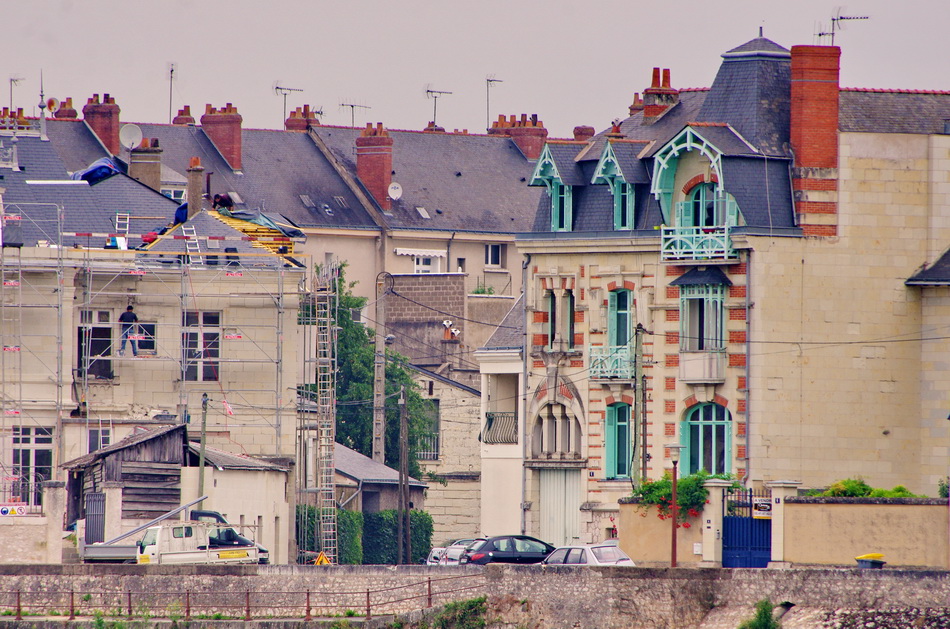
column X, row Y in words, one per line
column 674, row 449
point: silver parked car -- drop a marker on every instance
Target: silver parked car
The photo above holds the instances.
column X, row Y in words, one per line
column 434, row 556
column 592, row 554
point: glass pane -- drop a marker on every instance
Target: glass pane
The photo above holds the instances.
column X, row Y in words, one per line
column 189, row 318
column 720, row 439
column 212, row 345
column 695, row 449
column 210, row 371
column 211, row 318
column 708, row 448
column 43, row 435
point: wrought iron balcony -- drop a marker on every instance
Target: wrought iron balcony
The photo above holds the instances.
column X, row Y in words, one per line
column 612, row 362
column 500, row 428
column 702, row 244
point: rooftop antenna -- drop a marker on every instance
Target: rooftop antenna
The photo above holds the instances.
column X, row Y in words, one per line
column 42, row 107
column 171, row 79
column 353, row 107
column 435, row 95
column 14, row 80
column 283, row 91
column 837, row 19
column 490, row 81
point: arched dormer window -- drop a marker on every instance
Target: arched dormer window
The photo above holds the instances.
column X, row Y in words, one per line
column 609, row 172
column 561, row 194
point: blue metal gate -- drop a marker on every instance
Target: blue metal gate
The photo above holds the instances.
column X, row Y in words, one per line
column 746, row 530
column 95, row 517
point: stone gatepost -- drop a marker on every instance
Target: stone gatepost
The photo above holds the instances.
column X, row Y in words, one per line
column 712, row 523
column 113, row 516
column 54, row 509
column 780, row 490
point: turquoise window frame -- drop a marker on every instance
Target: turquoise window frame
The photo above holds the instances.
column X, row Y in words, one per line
column 707, row 437
column 619, row 317
column 608, row 172
column 551, row 304
column 562, row 207
column 702, row 325
column 618, row 441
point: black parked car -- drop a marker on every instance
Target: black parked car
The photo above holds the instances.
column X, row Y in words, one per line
column 507, row 549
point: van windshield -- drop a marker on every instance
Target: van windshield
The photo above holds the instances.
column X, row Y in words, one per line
column 149, row 538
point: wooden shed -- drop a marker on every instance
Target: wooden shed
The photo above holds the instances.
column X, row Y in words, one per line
column 148, row 465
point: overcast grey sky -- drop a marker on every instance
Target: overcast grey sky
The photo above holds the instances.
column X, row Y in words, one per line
column 569, row 62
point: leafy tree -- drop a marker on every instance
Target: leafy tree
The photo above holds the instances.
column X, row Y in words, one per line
column 763, row 618
column 354, row 388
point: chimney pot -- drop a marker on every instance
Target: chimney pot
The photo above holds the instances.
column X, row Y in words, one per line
column 666, row 78
column 656, row 78
column 583, row 133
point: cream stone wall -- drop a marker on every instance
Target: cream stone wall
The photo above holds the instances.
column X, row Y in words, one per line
column 256, row 373
column 455, row 506
column 260, row 500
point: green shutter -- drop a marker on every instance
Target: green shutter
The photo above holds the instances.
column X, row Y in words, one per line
column 610, row 442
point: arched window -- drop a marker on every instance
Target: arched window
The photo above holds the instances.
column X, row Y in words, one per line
column 617, row 441
column 708, row 434
column 704, row 208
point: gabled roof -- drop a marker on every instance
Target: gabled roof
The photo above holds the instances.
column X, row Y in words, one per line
column 227, row 461
column 362, row 468
column 282, row 171
column 474, row 183
column 444, row 380
column 631, row 166
column 702, row 276
column 937, row 274
column 134, row 439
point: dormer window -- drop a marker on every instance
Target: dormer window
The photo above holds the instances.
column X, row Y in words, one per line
column 608, row 172
column 546, row 173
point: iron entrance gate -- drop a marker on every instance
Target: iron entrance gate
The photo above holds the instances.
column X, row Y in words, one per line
column 746, row 528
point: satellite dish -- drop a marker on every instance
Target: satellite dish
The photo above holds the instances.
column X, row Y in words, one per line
column 130, row 136
column 395, row 191
column 53, row 105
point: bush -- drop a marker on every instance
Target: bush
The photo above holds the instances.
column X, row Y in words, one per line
column 349, row 536
column 380, row 542
column 691, row 495
column 943, row 487
column 857, row 488
column 763, row 617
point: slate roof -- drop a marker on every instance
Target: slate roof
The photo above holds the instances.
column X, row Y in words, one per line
column 510, row 332
column 563, row 155
column 444, row 380
column 892, row 111
column 86, row 208
column 277, row 168
column 937, row 274
column 702, row 276
column 631, row 166
column 362, row 468
column 473, row 183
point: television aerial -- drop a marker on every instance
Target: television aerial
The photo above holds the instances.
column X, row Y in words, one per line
column 837, row 23
column 280, row 90
column 435, row 95
column 490, row 81
column 353, row 107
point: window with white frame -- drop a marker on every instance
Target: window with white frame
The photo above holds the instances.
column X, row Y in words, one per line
column 495, row 255
column 701, row 318
column 32, row 461
column 429, row 443
column 425, row 264
column 201, row 345
column 708, row 435
column 99, row 438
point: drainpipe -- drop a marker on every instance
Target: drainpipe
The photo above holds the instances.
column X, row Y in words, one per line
column 748, row 359
column 448, row 254
column 523, row 398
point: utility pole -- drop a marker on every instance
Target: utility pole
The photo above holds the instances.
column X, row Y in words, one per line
column 403, row 533
column 379, row 371
column 201, row 452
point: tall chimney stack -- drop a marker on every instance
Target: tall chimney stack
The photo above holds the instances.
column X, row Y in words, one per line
column 145, row 163
column 223, row 128
column 194, row 186
column 184, row 116
column 659, row 97
column 527, row 133
column 814, row 137
column 103, row 118
column 374, row 162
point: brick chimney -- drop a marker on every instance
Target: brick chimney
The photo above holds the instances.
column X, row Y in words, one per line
column 145, row 163
column 583, row 133
column 223, row 128
column 301, row 119
column 374, row 162
column 103, row 119
column 658, row 97
column 814, row 137
column 194, row 186
column 184, row 116
column 66, row 110
column 433, row 128
column 528, row 134
column 636, row 105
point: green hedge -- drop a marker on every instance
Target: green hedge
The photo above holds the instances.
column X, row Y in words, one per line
column 380, row 531
column 349, row 536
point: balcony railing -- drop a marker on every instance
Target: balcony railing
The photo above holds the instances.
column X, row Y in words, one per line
column 701, row 243
column 428, row 448
column 500, row 428
column 702, row 367
column 612, row 362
